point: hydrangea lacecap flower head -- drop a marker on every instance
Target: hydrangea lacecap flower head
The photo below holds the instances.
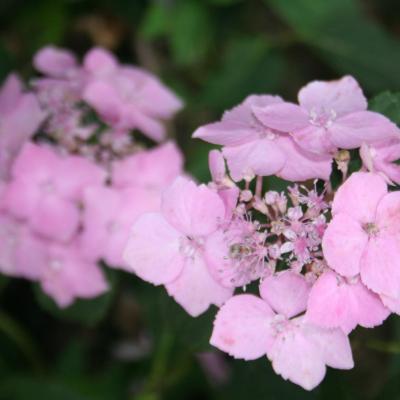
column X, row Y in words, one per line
column 72, row 181
column 319, row 263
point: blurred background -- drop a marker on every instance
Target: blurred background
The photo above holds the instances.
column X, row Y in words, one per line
column 135, row 342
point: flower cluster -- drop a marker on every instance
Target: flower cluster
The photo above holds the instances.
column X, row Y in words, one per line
column 73, row 178
column 292, row 272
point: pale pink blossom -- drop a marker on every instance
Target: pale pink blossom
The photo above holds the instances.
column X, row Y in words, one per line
column 127, row 97
column 67, row 276
column 46, row 189
column 330, row 115
column 247, row 327
column 167, row 248
column 251, row 148
column 363, row 236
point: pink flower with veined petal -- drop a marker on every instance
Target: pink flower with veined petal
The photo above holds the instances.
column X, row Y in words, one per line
column 364, row 235
column 247, row 327
column 252, row 148
column 46, row 188
column 337, row 302
column 331, row 115
column 127, row 97
column 20, row 117
column 381, row 158
column 108, row 215
column 167, row 248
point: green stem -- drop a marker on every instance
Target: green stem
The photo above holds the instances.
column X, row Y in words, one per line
column 15, row 332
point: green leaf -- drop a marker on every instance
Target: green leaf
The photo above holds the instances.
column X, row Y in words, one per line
column 249, row 65
column 85, row 311
column 155, row 21
column 388, row 104
column 22, row 388
column 190, row 32
column 345, row 38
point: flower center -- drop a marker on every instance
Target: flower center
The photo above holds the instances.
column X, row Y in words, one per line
column 371, row 229
column 322, row 117
column 190, row 245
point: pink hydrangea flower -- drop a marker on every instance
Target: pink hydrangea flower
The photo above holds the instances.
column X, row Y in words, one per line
column 67, row 276
column 363, row 236
column 167, row 248
column 248, row 327
column 20, row 117
column 381, row 158
column 46, row 188
column 154, row 169
column 108, row 216
column 251, row 148
column 127, row 97
column 337, row 302
column 330, row 115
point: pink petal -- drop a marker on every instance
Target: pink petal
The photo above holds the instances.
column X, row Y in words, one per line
column 393, row 304
column 55, row 218
column 150, row 126
column 296, row 358
column 30, row 255
column 238, row 125
column 343, row 244
column 54, row 61
column 64, row 279
column 301, row 165
column 388, row 214
column 227, row 133
column 10, row 93
column 152, row 96
column 284, row 117
column 333, row 345
column 343, row 96
column 229, row 197
column 192, row 210
column 261, row 157
column 286, row 292
column 100, row 204
column 216, row 165
column 75, row 174
column 314, row 139
column 154, row 168
column 334, row 303
column 99, row 61
column 195, row 289
column 35, row 161
column 380, row 265
column 153, row 250
column 21, row 198
column 356, row 199
column 350, row 131
column 105, row 100
column 241, row 327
